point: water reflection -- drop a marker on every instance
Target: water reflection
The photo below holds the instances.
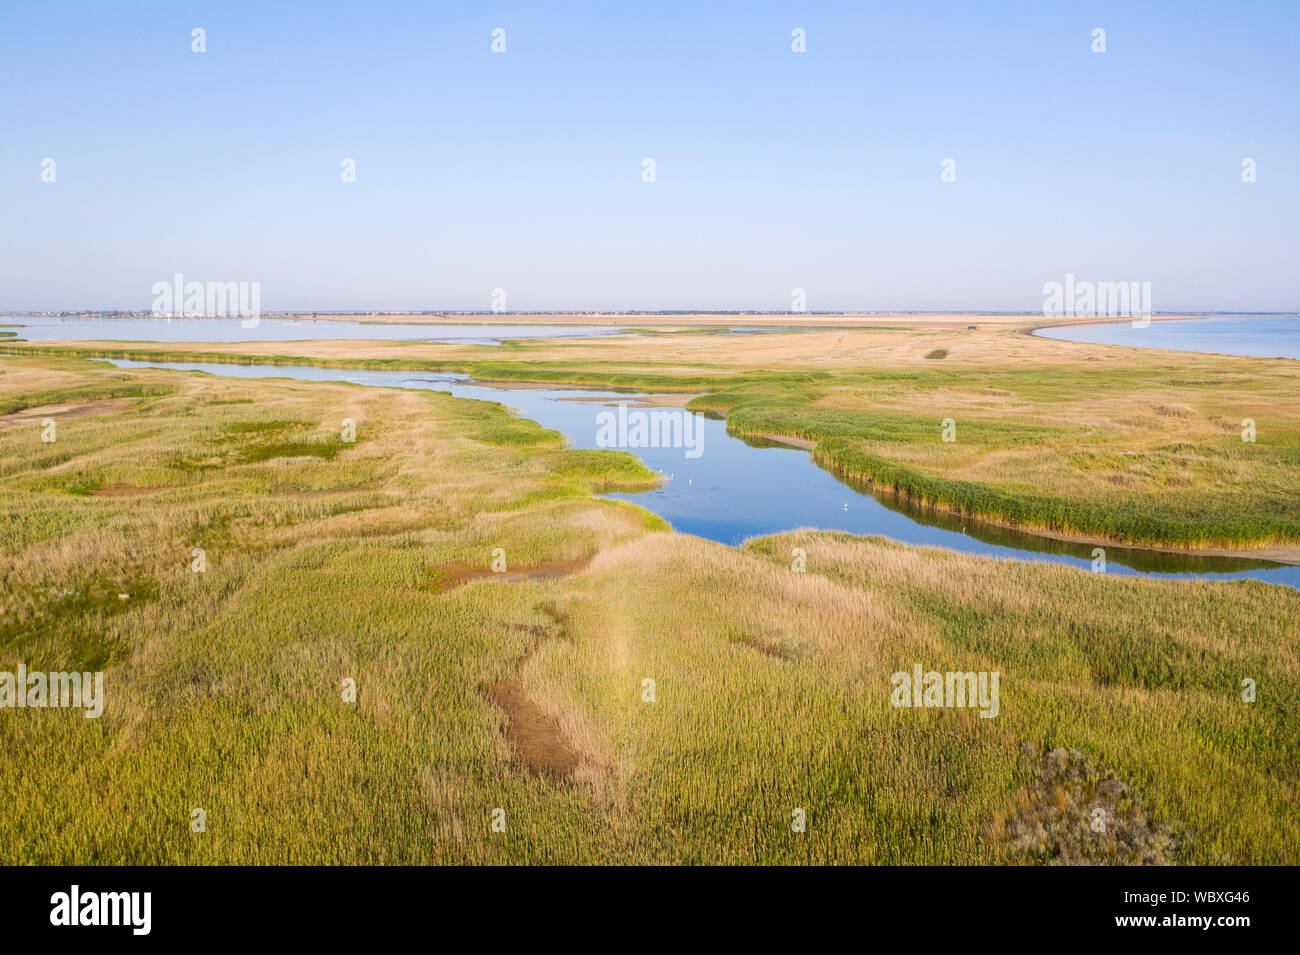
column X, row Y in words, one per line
column 746, row 488
column 1135, row 558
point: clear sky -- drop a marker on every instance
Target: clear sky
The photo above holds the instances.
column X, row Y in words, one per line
column 774, row 170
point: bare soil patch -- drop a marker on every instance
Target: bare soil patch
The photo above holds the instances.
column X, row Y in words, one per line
column 759, row 642
column 124, row 491
column 536, row 738
column 790, row 439
column 643, row 401
column 62, row 412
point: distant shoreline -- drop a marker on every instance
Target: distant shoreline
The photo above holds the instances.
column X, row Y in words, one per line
column 1025, row 322
column 1075, row 321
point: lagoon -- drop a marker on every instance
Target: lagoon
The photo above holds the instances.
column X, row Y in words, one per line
column 1258, row 336
column 212, row 330
column 54, row 328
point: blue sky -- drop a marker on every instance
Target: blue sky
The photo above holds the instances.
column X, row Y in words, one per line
column 774, row 170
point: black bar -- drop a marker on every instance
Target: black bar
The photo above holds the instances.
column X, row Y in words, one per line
column 337, row 904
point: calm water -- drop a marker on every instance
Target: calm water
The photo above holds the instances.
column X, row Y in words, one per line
column 737, row 489
column 37, row 329
column 1260, row 336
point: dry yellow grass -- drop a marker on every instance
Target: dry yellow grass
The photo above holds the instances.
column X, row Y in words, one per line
column 771, row 686
column 1104, row 444
column 1003, row 345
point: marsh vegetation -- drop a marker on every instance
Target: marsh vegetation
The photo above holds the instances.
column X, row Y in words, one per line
column 372, row 560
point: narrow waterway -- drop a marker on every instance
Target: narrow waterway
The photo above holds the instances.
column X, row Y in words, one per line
column 735, row 489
